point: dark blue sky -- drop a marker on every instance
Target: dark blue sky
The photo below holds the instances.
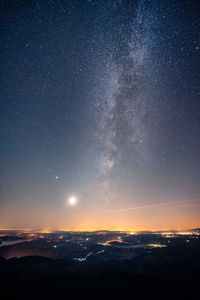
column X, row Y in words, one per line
column 101, row 100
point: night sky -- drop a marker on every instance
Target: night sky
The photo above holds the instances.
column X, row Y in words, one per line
column 100, row 102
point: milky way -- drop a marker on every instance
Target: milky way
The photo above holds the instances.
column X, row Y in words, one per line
column 126, row 108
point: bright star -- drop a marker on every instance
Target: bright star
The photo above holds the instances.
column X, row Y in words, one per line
column 72, row 200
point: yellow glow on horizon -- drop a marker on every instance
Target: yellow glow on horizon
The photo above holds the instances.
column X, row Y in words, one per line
column 46, row 219
column 45, row 231
column 166, row 233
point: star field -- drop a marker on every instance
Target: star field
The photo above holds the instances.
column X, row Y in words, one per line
column 100, row 100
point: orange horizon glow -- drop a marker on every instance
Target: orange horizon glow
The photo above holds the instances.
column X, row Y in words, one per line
column 168, row 216
column 183, row 230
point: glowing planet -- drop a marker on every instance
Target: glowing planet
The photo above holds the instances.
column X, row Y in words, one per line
column 72, row 200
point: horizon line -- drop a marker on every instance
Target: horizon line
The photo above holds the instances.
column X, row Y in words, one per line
column 40, row 230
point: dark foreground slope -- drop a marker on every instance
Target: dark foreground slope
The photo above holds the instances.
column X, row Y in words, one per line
column 163, row 274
